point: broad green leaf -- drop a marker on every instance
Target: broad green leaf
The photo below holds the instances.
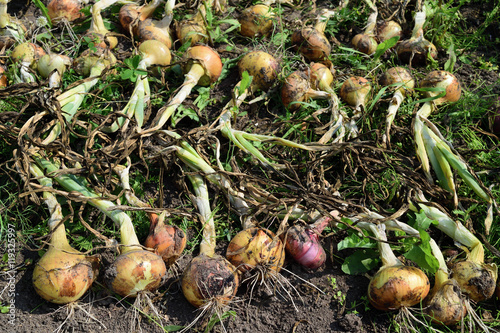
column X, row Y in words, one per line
column 450, row 63
column 360, row 262
column 246, row 81
column 384, row 46
column 353, row 241
column 421, row 254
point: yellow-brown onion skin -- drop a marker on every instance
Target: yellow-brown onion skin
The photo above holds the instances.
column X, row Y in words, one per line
column 63, row 277
column 320, row 75
column 364, row 43
column 157, row 52
column 191, row 30
column 295, row 89
column 478, row 281
column 256, row 21
column 3, row 78
column 398, row 75
column 446, row 305
column 311, row 43
column 65, row 9
column 147, row 30
column 417, row 51
column 168, row 241
column 29, row 52
column 262, row 66
column 445, row 80
column 255, row 247
column 355, row 90
column 399, row 286
column 388, row 29
column 134, row 272
column 207, row 279
column 209, row 59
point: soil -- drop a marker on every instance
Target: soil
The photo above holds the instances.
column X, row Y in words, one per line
column 324, row 300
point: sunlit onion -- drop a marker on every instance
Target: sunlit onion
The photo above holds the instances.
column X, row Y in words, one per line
column 257, row 20
column 168, row 241
column 388, row 29
column 476, row 280
column 417, row 50
column 69, row 10
column 297, row 89
column 445, row 305
column 355, row 91
column 444, row 80
column 311, row 42
column 262, row 66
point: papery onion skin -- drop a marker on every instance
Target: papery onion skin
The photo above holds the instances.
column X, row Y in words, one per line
column 295, row 89
column 134, row 272
column 445, row 80
column 399, row 286
column 63, row 277
column 365, row 43
column 311, row 43
column 262, row 66
column 28, row 52
column 192, row 31
column 355, row 91
column 254, row 247
column 398, row 75
column 302, row 244
column 65, row 9
column 208, row 279
column 209, row 59
column 51, row 62
column 3, row 78
column 476, row 280
column 168, row 241
column 256, row 21
column 320, row 75
column 147, row 30
column 446, row 305
column 388, row 29
column 156, row 52
column 416, row 51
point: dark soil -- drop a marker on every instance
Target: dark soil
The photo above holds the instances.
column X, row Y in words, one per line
column 325, row 300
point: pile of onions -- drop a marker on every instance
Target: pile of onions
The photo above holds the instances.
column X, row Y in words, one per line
column 53, row 66
column 209, row 281
column 69, row 10
column 90, row 64
column 257, row 20
column 395, row 285
column 27, row 54
column 417, row 50
column 135, row 270
column 311, row 42
column 152, row 52
column 166, row 240
column 399, row 80
column 63, row 274
column 475, row 278
column 202, row 66
column 366, row 42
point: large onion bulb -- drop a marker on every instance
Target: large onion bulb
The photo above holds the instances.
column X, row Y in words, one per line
column 476, row 280
column 262, row 66
column 256, row 21
column 445, row 305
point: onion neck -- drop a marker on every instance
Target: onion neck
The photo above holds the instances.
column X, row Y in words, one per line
column 386, row 254
column 322, row 20
column 426, row 109
column 418, row 29
column 371, row 23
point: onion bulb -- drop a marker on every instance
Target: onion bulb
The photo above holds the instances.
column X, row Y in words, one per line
column 256, row 249
column 3, row 78
column 131, row 14
column 135, row 270
column 209, row 279
column 53, row 66
column 63, row 274
column 159, row 30
column 443, row 80
column 366, row 42
column 399, row 80
column 69, row 10
column 257, row 20
column 297, row 89
column 311, row 42
column 388, row 29
column 263, row 68
column 303, row 245
column 27, row 54
column 193, row 30
column 416, row 50
column 355, row 91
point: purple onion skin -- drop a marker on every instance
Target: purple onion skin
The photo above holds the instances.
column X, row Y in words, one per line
column 304, row 247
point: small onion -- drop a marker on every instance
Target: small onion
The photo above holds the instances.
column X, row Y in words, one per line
column 297, row 89
column 365, row 43
column 417, row 49
column 262, row 66
column 69, row 10
column 209, row 60
column 154, row 52
column 388, row 29
column 476, row 280
column 321, row 77
column 131, row 14
column 256, row 21
column 3, row 77
column 446, row 305
column 256, row 247
column 399, row 286
column 53, row 65
column 168, row 241
column 395, row 75
column 355, row 91
column 150, row 29
column 193, row 30
column 444, row 80
column 311, row 42
column 209, row 279
column 28, row 53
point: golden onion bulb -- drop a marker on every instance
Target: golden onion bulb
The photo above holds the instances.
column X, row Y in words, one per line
column 446, row 305
column 444, row 80
column 476, row 280
column 256, row 21
column 210, row 61
column 262, row 66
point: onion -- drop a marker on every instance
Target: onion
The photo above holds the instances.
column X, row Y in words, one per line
column 3, row 78
column 401, row 82
column 355, row 91
column 263, row 68
column 98, row 32
column 256, row 249
column 445, row 81
column 365, row 42
column 303, row 245
column 202, row 65
column 63, row 274
column 416, row 50
column 209, row 280
column 388, row 29
column 193, row 30
column 150, row 29
column 135, row 270
column 131, row 14
column 257, row 20
column 53, row 66
column 311, row 42
column 445, row 305
column 27, row 54
column 395, row 285
column 297, row 89
column 69, row 10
